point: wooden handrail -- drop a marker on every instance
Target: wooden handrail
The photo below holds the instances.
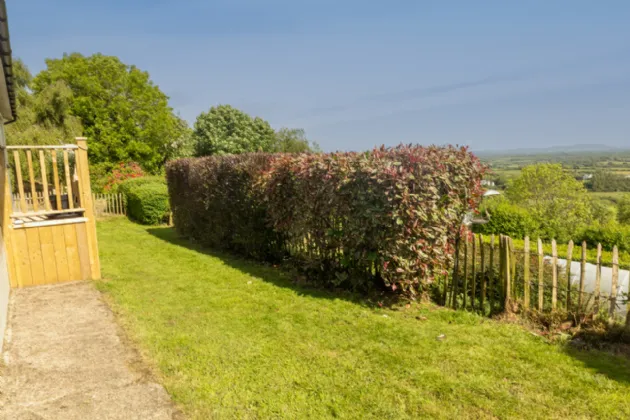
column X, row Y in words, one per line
column 61, row 146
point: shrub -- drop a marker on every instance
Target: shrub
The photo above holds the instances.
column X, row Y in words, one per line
column 608, row 235
column 148, row 203
column 121, row 173
column 216, row 201
column 386, row 217
column 507, row 219
column 126, row 186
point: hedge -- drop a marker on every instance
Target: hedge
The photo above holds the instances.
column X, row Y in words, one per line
column 508, row 219
column 148, row 203
column 388, row 217
column 126, row 186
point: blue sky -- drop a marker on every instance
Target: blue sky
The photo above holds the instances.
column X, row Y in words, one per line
column 355, row 74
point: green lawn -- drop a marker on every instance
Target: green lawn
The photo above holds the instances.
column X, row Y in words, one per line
column 233, row 339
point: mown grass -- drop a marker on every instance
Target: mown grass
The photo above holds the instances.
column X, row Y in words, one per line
column 234, row 339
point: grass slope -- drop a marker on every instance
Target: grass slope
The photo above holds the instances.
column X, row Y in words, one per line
column 233, row 339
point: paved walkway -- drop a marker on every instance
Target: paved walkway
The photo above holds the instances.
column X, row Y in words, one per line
column 65, row 359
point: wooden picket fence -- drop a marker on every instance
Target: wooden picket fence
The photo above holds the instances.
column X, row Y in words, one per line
column 490, row 275
column 109, row 205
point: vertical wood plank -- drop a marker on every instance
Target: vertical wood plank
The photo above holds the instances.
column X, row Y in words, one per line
column 465, row 270
column 84, row 255
column 526, row 285
column 569, row 261
column 512, row 251
column 482, row 267
column 44, row 171
column 61, row 257
column 491, row 282
column 582, row 276
column 22, row 259
column 473, row 295
column 84, row 177
column 614, row 282
column 508, row 270
column 18, row 177
column 541, row 274
column 554, row 274
column 48, row 254
column 31, row 176
column 72, row 252
column 598, row 278
column 66, row 169
column 53, row 154
column 35, row 255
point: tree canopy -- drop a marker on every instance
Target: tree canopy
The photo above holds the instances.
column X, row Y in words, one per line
column 293, row 140
column 556, row 201
column 224, row 129
column 126, row 116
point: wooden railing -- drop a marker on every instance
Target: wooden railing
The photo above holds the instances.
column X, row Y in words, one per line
column 45, row 180
column 109, row 205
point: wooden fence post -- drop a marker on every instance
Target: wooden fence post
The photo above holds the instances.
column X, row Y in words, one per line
column 598, row 278
column 455, row 273
column 526, row 273
column 554, row 275
column 465, row 269
column 491, row 281
column 83, row 170
column 569, row 261
column 508, row 269
column 512, row 251
column 482, row 255
column 474, row 272
column 615, row 281
column 541, row 274
column 582, row 276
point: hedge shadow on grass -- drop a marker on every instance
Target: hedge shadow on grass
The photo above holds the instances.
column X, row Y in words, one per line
column 270, row 274
column 615, row 367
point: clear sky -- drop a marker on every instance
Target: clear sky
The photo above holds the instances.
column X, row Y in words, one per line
column 359, row 73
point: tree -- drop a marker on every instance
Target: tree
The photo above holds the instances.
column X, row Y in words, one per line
column 623, row 209
column 224, row 129
column 44, row 118
column 126, row 116
column 558, row 203
column 293, row 140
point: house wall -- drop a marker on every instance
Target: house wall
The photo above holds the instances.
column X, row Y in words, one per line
column 4, row 274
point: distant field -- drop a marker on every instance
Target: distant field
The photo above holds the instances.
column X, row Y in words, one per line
column 612, row 197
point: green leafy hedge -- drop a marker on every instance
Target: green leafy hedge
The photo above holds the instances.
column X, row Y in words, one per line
column 507, row 219
column 148, row 203
column 356, row 220
column 126, row 186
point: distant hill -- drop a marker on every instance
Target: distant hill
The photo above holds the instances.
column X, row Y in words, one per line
column 576, row 148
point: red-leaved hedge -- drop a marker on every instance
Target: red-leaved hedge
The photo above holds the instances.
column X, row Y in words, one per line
column 356, row 220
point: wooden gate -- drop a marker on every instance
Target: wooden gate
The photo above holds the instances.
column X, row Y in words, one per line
column 47, row 214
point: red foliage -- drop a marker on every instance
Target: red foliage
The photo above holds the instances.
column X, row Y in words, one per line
column 124, row 171
column 386, row 217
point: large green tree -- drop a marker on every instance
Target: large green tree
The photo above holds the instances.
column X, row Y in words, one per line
column 293, row 140
column 556, row 201
column 125, row 115
column 45, row 117
column 224, row 129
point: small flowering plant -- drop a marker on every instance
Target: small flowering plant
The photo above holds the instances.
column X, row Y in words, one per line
column 123, row 172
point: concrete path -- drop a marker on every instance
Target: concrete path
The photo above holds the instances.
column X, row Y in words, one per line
column 66, row 359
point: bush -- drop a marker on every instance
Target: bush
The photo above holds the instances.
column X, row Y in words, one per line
column 386, row 217
column 148, row 203
column 507, row 219
column 217, row 201
column 126, row 186
column 608, row 235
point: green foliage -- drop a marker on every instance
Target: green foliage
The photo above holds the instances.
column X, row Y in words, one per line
column 148, row 203
column 607, row 181
column 125, row 115
column 227, row 130
column 508, row 219
column 623, row 210
column 608, row 235
column 555, row 200
column 217, row 202
column 293, row 140
column 126, row 186
column 386, row 217
column 43, row 117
